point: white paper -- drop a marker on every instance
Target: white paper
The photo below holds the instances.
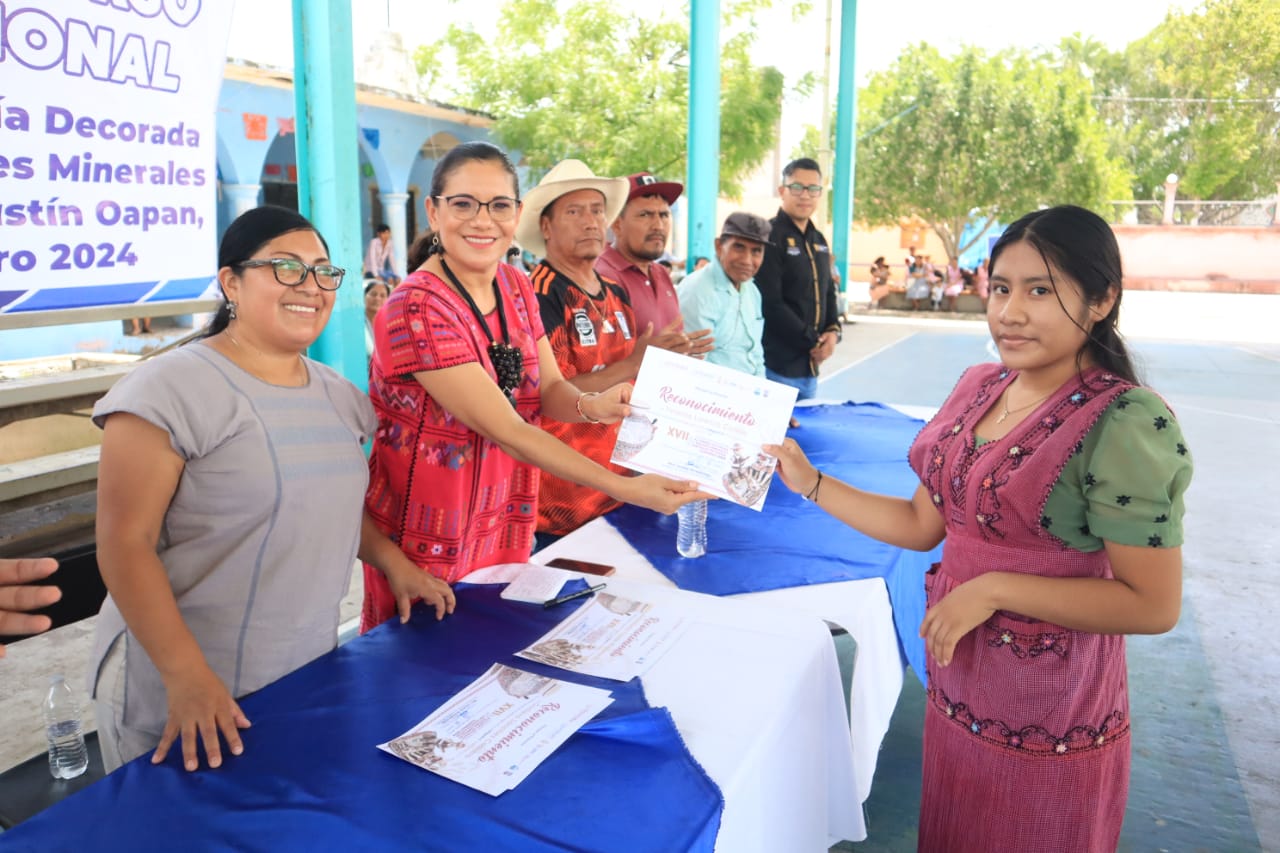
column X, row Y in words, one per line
column 501, row 573
column 609, row 637
column 694, row 420
column 535, row 584
column 500, row 727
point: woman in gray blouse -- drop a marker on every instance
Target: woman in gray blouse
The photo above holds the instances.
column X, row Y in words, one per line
column 230, row 494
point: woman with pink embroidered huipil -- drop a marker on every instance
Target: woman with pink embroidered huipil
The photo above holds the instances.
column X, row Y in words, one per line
column 1057, row 481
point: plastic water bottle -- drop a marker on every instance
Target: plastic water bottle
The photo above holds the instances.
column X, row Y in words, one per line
column 68, row 756
column 691, row 538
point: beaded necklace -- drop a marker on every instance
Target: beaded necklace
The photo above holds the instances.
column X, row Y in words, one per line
column 508, row 361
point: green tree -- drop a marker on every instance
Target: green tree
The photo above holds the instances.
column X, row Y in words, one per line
column 586, row 80
column 981, row 136
column 1199, row 97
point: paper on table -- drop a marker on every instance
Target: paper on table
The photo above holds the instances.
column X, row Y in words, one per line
column 493, row 734
column 693, row 420
column 609, row 637
column 535, row 584
column 501, row 573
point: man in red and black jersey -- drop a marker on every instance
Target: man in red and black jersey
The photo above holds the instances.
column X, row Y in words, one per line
column 589, row 323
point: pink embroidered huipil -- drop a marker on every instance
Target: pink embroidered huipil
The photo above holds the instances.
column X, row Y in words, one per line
column 1027, row 730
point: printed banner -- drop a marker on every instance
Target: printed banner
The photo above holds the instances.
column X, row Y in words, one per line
column 108, row 165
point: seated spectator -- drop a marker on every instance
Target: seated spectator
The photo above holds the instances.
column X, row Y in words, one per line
column 879, row 283
column 954, row 285
column 380, row 258
column 918, row 275
column 936, row 288
column 376, row 292
column 981, row 284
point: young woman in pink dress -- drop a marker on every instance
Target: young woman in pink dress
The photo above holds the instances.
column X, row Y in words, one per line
column 1057, row 481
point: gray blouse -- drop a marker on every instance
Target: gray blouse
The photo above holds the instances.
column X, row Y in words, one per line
column 262, row 531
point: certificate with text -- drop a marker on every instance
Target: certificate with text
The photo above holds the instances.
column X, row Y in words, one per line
column 499, row 728
column 692, row 420
column 611, row 636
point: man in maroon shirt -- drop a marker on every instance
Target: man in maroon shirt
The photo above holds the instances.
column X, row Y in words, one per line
column 639, row 238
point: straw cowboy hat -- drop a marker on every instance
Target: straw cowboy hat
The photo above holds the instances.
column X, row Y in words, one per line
column 565, row 177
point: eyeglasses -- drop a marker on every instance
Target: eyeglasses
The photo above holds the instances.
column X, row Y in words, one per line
column 502, row 208
column 292, row 273
column 801, row 189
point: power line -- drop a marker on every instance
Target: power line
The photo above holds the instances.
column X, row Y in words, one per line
column 1128, row 99
column 882, row 125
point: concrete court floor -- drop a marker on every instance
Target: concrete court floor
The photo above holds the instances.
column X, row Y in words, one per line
column 1206, row 768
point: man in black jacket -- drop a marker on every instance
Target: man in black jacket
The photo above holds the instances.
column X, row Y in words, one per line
column 801, row 318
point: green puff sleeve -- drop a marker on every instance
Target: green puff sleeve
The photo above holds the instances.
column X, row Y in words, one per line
column 1126, row 484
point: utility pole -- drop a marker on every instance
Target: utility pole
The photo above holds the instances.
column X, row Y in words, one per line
column 823, row 154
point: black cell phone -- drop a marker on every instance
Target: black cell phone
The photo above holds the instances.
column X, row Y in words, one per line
column 581, row 566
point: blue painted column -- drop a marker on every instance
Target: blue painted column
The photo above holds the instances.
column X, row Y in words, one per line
column 324, row 91
column 846, row 141
column 702, row 183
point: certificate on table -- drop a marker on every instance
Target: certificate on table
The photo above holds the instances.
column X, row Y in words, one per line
column 611, row 636
column 498, row 728
column 693, row 420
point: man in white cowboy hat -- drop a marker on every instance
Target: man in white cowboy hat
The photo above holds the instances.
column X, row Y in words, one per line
column 723, row 295
column 640, row 234
column 588, row 319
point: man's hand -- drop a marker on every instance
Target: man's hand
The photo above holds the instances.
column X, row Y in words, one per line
column 17, row 594
column 671, row 338
column 700, row 343
column 825, row 347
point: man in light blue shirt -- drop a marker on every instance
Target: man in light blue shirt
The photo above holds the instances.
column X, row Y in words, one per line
column 722, row 296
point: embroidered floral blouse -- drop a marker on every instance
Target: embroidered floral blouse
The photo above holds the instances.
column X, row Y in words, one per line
column 1126, row 482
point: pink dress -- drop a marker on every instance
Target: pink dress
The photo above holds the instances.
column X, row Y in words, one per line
column 955, row 281
column 1026, row 742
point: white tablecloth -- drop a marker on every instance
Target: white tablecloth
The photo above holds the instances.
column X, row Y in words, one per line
column 860, row 607
column 755, row 693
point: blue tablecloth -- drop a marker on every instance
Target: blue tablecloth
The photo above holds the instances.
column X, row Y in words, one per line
column 793, row 543
column 312, row 779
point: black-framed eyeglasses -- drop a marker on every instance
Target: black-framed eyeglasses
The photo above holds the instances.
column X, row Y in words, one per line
column 502, row 208
column 292, row 273
column 810, row 189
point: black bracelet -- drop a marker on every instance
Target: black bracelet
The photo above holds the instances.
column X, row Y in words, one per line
column 813, row 493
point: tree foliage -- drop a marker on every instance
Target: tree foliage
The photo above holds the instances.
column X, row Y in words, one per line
column 1212, row 77
column 981, row 135
column 586, row 80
